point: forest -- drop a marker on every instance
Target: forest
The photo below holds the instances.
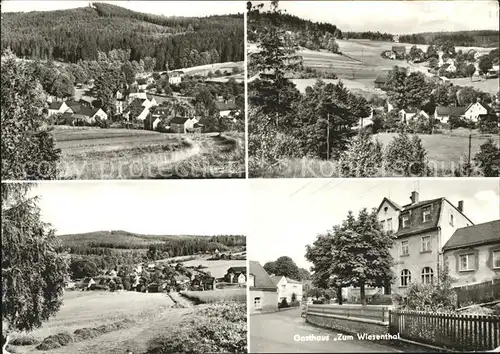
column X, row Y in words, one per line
column 484, row 38
column 81, row 33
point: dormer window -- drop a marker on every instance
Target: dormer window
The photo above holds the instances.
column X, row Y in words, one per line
column 405, row 219
column 426, row 215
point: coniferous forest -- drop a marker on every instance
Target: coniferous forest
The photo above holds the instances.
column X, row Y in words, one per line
column 79, row 34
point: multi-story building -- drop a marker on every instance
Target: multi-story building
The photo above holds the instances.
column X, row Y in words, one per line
column 421, row 228
column 287, row 288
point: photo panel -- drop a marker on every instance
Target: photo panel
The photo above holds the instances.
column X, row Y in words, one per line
column 373, row 89
column 124, row 267
column 373, row 265
column 123, row 90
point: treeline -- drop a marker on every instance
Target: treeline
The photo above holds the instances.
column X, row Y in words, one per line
column 374, row 36
column 482, row 38
column 71, row 35
column 305, row 33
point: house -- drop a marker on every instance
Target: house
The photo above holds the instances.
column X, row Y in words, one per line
column 236, row 275
column 421, row 229
column 87, row 114
column 407, row 114
column 180, row 124
column 142, row 84
column 389, row 106
column 473, row 254
column 151, row 122
column 263, row 292
column 443, row 114
column 450, row 67
column 287, row 287
column 399, row 51
column 175, row 77
column 225, row 107
column 365, row 121
column 57, row 108
column 380, row 82
column 181, row 279
column 120, row 101
column 475, row 110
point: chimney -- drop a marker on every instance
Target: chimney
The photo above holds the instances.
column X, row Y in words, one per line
column 478, row 100
column 414, row 197
column 461, row 206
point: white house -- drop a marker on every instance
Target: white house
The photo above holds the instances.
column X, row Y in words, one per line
column 287, row 287
column 57, row 107
column 174, row 78
column 182, row 124
column 389, row 106
column 475, row 110
column 407, row 114
column 225, row 107
column 263, row 292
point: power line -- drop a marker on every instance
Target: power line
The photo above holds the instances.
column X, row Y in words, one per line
column 300, row 188
column 369, row 189
column 323, row 186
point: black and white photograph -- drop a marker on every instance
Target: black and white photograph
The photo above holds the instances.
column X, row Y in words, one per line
column 122, row 90
column 382, row 265
column 145, row 267
column 373, row 88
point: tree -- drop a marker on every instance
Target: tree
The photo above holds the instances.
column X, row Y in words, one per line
column 432, row 53
column 355, row 253
column 485, row 64
column 363, row 158
column 106, row 86
column 82, row 268
column 283, row 266
column 433, row 63
column 470, row 69
column 304, row 274
column 33, row 272
column 28, row 148
column 406, row 156
column 62, row 87
column 129, row 72
column 488, row 159
column 448, row 48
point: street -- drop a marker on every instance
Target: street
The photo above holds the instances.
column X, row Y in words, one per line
column 275, row 332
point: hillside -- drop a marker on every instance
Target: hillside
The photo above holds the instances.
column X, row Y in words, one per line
column 74, row 34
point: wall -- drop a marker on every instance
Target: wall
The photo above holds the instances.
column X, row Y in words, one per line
column 390, row 213
column 268, row 300
column 286, row 289
column 350, row 318
column 459, row 221
column 483, row 268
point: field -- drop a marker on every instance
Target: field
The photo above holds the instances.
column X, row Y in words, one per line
column 216, row 268
column 133, row 154
column 146, row 315
column 205, row 69
column 360, row 64
column 211, row 296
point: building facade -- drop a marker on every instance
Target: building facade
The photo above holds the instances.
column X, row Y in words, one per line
column 421, row 228
column 287, row 288
column 263, row 291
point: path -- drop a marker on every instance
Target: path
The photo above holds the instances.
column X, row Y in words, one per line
column 275, row 332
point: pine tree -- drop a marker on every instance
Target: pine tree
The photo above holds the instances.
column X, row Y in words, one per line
column 33, row 273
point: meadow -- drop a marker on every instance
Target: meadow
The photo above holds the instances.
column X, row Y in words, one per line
column 138, row 313
column 95, row 153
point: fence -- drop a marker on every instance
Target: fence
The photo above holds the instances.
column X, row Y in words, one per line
column 458, row 332
column 369, row 312
column 478, row 293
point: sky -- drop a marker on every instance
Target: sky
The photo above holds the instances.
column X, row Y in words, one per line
column 167, row 8
column 194, row 207
column 287, row 214
column 399, row 17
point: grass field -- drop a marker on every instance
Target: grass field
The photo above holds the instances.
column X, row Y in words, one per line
column 136, row 154
column 216, row 268
column 147, row 314
column 211, row 296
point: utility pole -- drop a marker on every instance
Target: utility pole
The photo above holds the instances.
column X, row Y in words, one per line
column 468, row 164
column 328, row 137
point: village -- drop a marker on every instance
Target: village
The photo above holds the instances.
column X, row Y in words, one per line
column 144, row 105
column 440, row 265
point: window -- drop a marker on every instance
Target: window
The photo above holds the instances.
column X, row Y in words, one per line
column 256, row 303
column 451, row 219
column 405, row 277
column 467, row 262
column 496, row 259
column 426, row 215
column 426, row 244
column 404, row 248
column 406, row 220
column 389, row 224
column 382, row 225
column 427, row 275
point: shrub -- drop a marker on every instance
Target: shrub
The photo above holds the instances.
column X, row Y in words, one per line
column 283, row 304
column 217, row 328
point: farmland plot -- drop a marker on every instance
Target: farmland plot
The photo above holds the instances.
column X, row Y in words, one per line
column 210, row 296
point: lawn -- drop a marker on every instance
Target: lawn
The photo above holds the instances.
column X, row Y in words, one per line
column 92, row 309
column 216, row 268
column 137, row 154
column 211, row 296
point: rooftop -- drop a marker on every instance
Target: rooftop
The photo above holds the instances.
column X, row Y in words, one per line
column 475, row 235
